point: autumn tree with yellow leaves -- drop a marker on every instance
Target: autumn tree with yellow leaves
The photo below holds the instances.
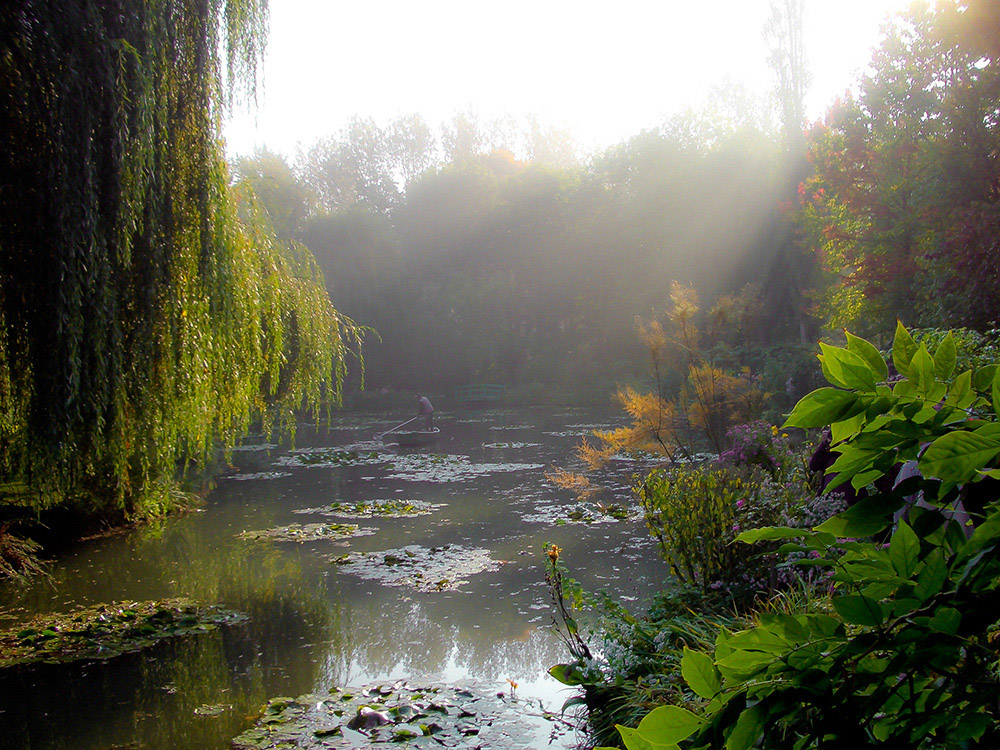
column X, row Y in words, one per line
column 716, row 391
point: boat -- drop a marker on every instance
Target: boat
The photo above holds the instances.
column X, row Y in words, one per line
column 412, row 438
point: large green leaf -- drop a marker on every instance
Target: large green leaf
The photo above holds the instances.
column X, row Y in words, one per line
column 634, row 740
column 946, row 620
column 825, row 406
column 871, row 355
column 932, row 575
column 769, row 534
column 945, row 358
column 846, row 369
column 961, row 386
column 851, row 461
column 922, row 371
column 699, row 672
column 746, row 731
column 858, row 609
column 983, row 378
column 903, row 349
column 862, row 519
column 565, row 673
column 668, row 725
column 904, row 550
column 957, row 456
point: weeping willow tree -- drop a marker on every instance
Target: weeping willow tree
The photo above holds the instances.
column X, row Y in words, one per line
column 142, row 317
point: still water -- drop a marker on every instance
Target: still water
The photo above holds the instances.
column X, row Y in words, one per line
column 314, row 623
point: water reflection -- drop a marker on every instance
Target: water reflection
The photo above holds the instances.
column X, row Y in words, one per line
column 312, row 624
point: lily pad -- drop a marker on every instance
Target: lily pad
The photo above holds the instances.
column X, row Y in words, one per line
column 421, row 568
column 585, row 513
column 375, row 509
column 108, row 630
column 479, row 715
column 212, row 710
column 419, row 467
column 362, row 454
column 310, row 532
column 260, row 475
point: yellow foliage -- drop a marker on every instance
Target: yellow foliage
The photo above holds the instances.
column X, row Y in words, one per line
column 654, row 425
column 568, row 480
column 593, row 456
column 651, row 333
column 714, row 400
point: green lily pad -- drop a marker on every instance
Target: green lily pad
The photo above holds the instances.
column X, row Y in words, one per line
column 310, row 532
column 488, row 720
column 108, row 630
column 375, row 509
column 421, row 568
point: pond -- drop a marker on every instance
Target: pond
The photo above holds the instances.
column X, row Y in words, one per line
column 353, row 562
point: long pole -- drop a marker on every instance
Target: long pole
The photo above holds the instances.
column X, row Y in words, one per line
column 398, row 426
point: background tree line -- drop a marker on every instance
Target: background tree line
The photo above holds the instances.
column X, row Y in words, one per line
column 495, row 250
column 485, row 252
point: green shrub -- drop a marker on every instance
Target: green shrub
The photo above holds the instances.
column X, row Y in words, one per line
column 905, row 656
column 696, row 513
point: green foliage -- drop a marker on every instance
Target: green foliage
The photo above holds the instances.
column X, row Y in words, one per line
column 141, row 319
column 905, row 654
column 946, row 423
column 693, row 514
column 697, row 512
column 901, row 208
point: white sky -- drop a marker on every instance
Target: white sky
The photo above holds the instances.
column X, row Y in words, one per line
column 604, row 70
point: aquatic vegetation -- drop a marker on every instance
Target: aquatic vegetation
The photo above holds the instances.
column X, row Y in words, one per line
column 366, row 454
column 108, row 630
column 259, row 475
column 425, row 715
column 374, row 509
column 420, row 467
column 310, row 532
column 512, row 445
column 421, row 568
column 586, row 513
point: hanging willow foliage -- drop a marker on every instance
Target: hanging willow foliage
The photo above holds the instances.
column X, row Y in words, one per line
column 141, row 319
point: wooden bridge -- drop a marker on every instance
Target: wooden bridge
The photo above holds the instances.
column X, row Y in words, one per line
column 479, row 393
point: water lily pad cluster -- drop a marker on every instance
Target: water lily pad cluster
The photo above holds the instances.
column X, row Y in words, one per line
column 375, row 509
column 419, row 467
column 421, row 568
column 384, row 716
column 108, row 630
column 585, row 513
column 309, row 532
column 512, row 445
column 359, row 455
column 262, row 475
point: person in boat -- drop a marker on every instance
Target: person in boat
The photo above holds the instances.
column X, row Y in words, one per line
column 425, row 410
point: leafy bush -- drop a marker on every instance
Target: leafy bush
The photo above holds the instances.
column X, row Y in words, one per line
column 905, row 655
column 696, row 514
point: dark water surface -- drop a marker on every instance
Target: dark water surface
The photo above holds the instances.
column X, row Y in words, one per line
column 313, row 623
